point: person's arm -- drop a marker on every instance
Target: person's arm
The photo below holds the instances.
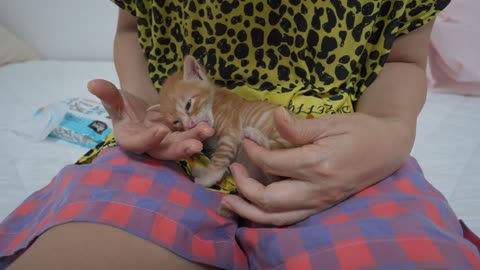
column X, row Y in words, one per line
column 399, row 92
column 130, row 61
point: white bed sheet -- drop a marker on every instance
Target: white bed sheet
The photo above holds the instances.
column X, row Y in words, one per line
column 447, row 145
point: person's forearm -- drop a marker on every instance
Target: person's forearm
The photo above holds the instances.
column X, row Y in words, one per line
column 398, row 95
column 131, row 66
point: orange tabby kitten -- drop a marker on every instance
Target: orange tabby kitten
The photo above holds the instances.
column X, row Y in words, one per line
column 193, row 98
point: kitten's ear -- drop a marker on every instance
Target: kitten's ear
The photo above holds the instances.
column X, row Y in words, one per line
column 192, row 69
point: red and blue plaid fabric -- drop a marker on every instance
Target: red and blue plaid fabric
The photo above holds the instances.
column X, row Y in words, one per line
column 400, row 223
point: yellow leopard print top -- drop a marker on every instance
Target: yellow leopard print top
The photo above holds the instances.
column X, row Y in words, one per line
column 313, row 57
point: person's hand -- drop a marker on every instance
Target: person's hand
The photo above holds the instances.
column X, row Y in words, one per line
column 140, row 130
column 339, row 156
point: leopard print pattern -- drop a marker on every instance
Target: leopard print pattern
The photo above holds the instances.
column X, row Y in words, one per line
column 314, row 57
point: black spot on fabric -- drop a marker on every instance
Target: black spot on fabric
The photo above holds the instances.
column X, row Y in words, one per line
column 172, row 70
column 354, row 4
column 195, row 24
column 210, row 40
column 300, row 22
column 225, row 70
column 377, row 34
column 354, row 68
column 284, row 50
column 290, row 11
column 273, row 18
column 197, row 37
column 368, row 9
column 274, row 4
column 299, row 41
column 326, row 78
column 246, row 23
column 441, row 4
column 248, row 9
column 385, row 9
column 301, row 73
column 339, row 8
column 259, row 54
column 259, row 6
column 220, row 29
column 415, row 25
column 231, row 32
column 288, row 39
column 211, row 61
column 236, row 19
column 316, row 24
column 285, row 25
column 283, row 73
column 208, row 27
column 273, row 59
column 241, row 50
column 230, row 58
column 257, row 37
column 374, row 55
column 331, row 59
column 120, row 4
column 176, row 32
column 157, row 16
column 163, row 41
column 141, row 7
column 312, row 39
column 344, row 59
column 373, row 66
column 224, row 46
column 328, row 44
column 254, row 78
column 359, row 50
column 192, row 7
column 336, row 97
column 370, row 79
column 242, row 35
column 341, row 72
column 264, row 76
column 383, row 59
column 267, row 86
column 209, row 13
column 200, row 52
column 294, row 2
column 260, row 21
column 331, row 21
column 151, row 68
column 274, row 38
column 227, row 7
column 343, row 36
column 350, row 20
column 142, row 22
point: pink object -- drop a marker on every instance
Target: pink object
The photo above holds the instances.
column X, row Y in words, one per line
column 454, row 59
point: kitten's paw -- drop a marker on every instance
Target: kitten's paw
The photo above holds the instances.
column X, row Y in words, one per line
column 209, row 177
column 257, row 136
column 225, row 212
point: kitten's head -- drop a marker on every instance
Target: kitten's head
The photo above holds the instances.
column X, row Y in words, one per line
column 189, row 95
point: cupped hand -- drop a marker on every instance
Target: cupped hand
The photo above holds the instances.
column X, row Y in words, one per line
column 142, row 130
column 338, row 156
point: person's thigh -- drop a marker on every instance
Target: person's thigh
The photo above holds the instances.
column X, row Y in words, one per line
column 146, row 198
column 96, row 246
column 400, row 223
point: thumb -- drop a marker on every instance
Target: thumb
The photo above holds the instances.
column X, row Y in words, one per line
column 110, row 96
column 303, row 131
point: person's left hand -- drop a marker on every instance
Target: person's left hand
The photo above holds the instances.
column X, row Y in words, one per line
column 339, row 156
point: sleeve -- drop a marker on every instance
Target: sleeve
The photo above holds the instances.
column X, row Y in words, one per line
column 127, row 5
column 418, row 13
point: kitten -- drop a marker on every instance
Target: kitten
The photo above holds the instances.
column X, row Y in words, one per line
column 193, row 98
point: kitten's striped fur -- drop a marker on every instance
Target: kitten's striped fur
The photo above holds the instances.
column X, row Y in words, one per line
column 193, row 98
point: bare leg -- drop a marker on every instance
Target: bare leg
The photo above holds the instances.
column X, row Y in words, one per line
column 95, row 246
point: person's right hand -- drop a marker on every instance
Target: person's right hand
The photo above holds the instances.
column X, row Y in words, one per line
column 139, row 130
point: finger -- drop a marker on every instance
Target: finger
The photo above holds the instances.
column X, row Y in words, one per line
column 251, row 212
column 176, row 151
column 109, row 95
column 138, row 139
column 306, row 131
column 290, row 163
column 200, row 132
column 281, row 196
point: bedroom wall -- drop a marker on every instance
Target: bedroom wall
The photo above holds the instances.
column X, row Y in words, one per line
column 63, row 29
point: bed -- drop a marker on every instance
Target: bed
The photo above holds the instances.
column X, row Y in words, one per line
column 447, row 144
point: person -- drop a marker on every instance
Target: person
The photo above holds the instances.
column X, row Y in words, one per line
column 352, row 198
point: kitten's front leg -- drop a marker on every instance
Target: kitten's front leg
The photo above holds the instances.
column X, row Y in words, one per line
column 222, row 158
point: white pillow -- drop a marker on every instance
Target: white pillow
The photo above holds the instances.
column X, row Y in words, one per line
column 12, row 49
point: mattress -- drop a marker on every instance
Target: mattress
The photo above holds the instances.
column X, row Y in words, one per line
column 447, row 145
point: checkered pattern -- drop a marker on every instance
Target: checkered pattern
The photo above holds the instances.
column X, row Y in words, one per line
column 400, row 223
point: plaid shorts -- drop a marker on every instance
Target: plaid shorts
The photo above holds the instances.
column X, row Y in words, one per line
column 400, row 223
